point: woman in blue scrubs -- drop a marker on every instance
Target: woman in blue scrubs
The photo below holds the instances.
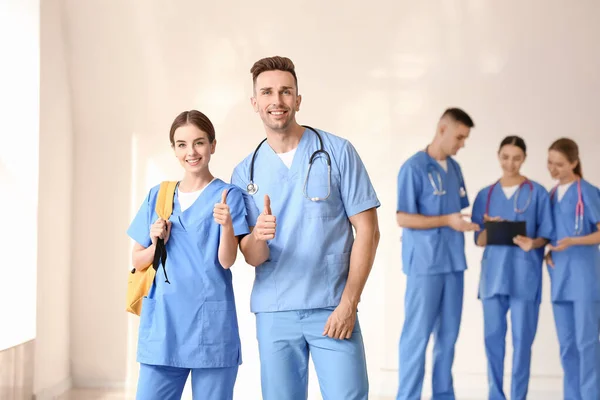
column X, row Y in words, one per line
column 511, row 275
column 574, row 268
column 188, row 322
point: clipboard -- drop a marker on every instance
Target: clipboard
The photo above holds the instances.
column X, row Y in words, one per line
column 502, row 233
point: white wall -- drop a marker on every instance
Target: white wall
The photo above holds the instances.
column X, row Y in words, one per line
column 517, row 68
column 106, row 98
column 52, row 356
column 19, row 141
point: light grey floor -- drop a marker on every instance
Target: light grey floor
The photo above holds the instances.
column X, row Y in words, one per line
column 97, row 394
column 94, row 394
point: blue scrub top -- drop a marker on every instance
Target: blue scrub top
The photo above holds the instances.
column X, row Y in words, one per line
column 191, row 322
column 508, row 270
column 576, row 272
column 310, row 254
column 437, row 250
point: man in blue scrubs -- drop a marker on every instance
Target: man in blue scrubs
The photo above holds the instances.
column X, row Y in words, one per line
column 306, row 294
column 431, row 195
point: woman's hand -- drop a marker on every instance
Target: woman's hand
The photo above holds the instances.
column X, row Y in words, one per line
column 548, row 259
column 524, row 242
column 160, row 229
column 563, row 244
column 221, row 212
column 487, row 218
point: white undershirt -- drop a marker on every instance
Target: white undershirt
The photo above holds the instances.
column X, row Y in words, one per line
column 288, row 157
column 509, row 190
column 562, row 189
column 186, row 199
column 444, row 164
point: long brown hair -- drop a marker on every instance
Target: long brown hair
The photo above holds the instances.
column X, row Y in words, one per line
column 570, row 150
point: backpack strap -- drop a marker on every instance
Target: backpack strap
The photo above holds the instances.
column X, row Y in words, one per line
column 164, row 209
column 164, row 200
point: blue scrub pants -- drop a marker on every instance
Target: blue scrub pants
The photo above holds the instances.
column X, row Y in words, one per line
column 578, row 327
column 157, row 382
column 524, row 320
column 285, row 340
column 433, row 304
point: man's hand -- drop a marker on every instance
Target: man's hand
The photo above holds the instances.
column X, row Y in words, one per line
column 457, row 222
column 340, row 323
column 266, row 224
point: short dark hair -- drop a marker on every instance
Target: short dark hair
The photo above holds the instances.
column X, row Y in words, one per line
column 275, row 63
column 515, row 141
column 196, row 118
column 459, row 115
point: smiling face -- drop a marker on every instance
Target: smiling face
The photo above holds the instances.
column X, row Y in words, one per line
column 193, row 148
column 560, row 167
column 511, row 159
column 564, row 163
column 276, row 100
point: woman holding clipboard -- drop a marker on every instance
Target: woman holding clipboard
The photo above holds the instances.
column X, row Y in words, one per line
column 574, row 268
column 516, row 223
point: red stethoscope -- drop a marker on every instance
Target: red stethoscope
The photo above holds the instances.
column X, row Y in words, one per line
column 517, row 210
column 578, row 208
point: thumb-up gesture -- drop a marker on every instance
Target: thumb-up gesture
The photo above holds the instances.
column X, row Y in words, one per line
column 221, row 212
column 266, row 223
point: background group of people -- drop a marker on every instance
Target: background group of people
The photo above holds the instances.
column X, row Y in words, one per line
column 562, row 227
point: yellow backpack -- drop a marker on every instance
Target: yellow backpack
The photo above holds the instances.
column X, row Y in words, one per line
column 140, row 282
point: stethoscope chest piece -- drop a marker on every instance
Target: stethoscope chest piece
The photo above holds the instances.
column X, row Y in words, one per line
column 252, row 188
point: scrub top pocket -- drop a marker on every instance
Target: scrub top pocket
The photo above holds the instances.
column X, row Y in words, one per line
column 147, row 317
column 218, row 323
column 318, row 187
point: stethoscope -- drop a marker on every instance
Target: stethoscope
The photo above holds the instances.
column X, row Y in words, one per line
column 438, row 187
column 252, row 188
column 516, row 207
column 578, row 208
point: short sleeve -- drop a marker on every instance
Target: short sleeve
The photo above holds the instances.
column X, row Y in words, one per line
column 252, row 211
column 237, row 209
column 357, row 192
column 591, row 203
column 478, row 211
column 139, row 229
column 408, row 190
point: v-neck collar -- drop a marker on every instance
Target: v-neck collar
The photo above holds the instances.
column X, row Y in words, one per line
column 196, row 212
column 513, row 194
column 564, row 207
column 202, row 192
column 560, row 200
column 296, row 162
column 437, row 165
